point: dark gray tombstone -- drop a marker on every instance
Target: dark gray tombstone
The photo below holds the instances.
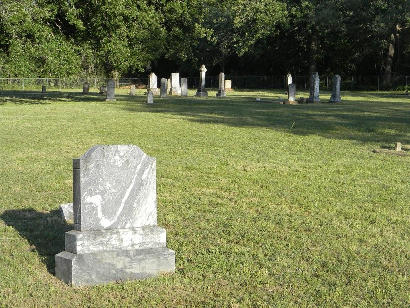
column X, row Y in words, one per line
column 292, row 93
column 164, row 87
column 86, row 88
column 43, row 89
column 221, row 91
column 110, row 90
column 115, row 236
column 184, row 86
column 201, row 92
column 336, row 98
column 314, row 88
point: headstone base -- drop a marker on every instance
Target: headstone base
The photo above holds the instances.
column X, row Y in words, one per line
column 335, row 99
column 221, row 93
column 200, row 93
column 288, row 102
column 110, row 266
column 110, row 99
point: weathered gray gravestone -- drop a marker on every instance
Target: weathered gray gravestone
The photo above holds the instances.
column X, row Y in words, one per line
column 221, row 91
column 110, row 90
column 184, row 86
column 292, row 93
column 201, row 92
column 86, row 88
column 115, row 234
column 175, row 85
column 43, row 89
column 164, row 87
column 336, row 98
column 132, row 90
column 153, row 83
column 150, row 97
column 314, row 88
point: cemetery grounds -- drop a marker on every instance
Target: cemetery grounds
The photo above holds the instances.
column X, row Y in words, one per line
column 264, row 204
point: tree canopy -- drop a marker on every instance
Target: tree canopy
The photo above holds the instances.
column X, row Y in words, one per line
column 49, row 38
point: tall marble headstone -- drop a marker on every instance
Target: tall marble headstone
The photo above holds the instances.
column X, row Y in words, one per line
column 292, row 93
column 150, row 97
column 169, row 85
column 184, row 86
column 314, row 88
column 115, row 234
column 153, row 83
column 86, row 88
column 201, row 92
column 132, row 89
column 336, row 98
column 289, row 78
column 110, row 90
column 164, row 87
column 175, row 85
column 221, row 91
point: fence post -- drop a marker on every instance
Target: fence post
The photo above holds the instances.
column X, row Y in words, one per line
column 378, row 83
column 22, row 83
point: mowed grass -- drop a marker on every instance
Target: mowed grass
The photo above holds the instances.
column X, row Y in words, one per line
column 264, row 204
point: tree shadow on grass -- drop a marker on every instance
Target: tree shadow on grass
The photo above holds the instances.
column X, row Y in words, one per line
column 34, row 98
column 364, row 121
column 44, row 231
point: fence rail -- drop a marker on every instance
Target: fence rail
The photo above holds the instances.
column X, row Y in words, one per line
column 369, row 82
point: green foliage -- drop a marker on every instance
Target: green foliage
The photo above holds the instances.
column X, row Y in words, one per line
column 79, row 37
column 29, row 44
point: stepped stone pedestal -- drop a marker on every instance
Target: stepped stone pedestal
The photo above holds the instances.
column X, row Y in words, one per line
column 116, row 236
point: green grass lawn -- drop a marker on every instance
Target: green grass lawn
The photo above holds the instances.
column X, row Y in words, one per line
column 264, row 204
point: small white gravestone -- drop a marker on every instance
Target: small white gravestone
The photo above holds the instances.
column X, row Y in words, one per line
column 228, row 85
column 115, row 234
column 290, row 79
column 132, row 90
column 175, row 85
column 153, row 83
column 150, row 97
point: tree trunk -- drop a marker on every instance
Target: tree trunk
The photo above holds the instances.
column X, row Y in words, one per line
column 388, row 64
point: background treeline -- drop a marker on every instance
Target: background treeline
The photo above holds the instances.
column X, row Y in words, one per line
column 56, row 38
